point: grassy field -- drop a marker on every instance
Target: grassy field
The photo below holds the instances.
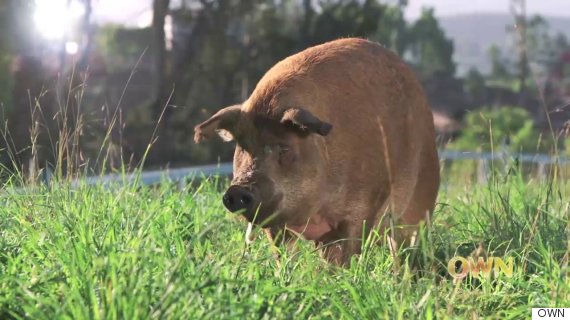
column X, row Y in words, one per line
column 165, row 253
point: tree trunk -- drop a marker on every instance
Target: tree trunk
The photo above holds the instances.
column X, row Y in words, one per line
column 306, row 24
column 87, row 30
column 160, row 9
column 518, row 9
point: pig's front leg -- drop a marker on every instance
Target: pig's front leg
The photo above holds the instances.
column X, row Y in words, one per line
column 341, row 244
column 280, row 237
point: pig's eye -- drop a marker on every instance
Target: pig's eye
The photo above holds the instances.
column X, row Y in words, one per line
column 286, row 157
column 267, row 150
column 283, row 149
column 279, row 148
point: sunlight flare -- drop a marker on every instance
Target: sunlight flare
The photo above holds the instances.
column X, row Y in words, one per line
column 53, row 18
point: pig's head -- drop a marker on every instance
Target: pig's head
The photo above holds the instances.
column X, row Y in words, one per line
column 279, row 162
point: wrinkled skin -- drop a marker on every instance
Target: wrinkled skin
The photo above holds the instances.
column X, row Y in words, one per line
column 277, row 163
column 331, row 140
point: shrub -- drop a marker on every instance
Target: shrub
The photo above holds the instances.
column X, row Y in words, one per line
column 504, row 129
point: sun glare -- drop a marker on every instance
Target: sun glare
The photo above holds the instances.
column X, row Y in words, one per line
column 54, row 17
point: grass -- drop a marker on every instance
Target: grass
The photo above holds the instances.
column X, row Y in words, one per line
column 129, row 252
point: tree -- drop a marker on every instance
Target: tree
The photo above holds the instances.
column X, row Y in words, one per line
column 475, row 86
column 499, row 64
column 432, row 51
column 160, row 9
column 87, row 30
column 392, row 29
column 518, row 10
column 306, row 24
column 554, row 46
column 561, row 43
column 26, row 96
column 221, row 48
column 15, row 36
column 535, row 44
column 346, row 18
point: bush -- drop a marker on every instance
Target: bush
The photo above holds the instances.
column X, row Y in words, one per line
column 567, row 146
column 504, row 129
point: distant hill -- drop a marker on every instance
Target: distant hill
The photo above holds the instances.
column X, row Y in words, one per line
column 473, row 34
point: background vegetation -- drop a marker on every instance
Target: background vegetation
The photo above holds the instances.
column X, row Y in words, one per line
column 129, row 99
column 123, row 79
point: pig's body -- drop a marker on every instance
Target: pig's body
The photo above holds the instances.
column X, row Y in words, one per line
column 380, row 155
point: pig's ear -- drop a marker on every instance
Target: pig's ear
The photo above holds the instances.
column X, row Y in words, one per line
column 222, row 123
column 305, row 121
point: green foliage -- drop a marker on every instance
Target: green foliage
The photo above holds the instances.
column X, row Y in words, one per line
column 503, row 71
column 567, row 146
column 219, row 52
column 127, row 252
column 120, row 46
column 393, row 31
column 539, row 42
column 503, row 129
column 5, row 83
column 15, row 36
column 542, row 46
column 224, row 61
column 475, row 83
column 432, row 52
column 346, row 18
column 500, row 65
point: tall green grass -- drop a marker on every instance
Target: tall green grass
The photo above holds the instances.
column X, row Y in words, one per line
column 129, row 252
column 132, row 252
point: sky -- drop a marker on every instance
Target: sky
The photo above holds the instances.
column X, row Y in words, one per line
column 137, row 12
column 454, row 7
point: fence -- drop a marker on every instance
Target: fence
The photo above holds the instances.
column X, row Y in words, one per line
column 182, row 175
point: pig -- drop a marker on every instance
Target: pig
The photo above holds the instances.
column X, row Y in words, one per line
column 334, row 142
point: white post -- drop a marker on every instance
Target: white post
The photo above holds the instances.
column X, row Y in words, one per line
column 541, row 171
column 482, row 171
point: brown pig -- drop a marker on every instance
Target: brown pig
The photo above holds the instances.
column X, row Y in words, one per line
column 333, row 142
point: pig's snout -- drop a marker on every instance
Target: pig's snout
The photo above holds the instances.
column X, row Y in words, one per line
column 239, row 198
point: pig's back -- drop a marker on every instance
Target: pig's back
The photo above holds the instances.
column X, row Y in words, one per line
column 382, row 126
